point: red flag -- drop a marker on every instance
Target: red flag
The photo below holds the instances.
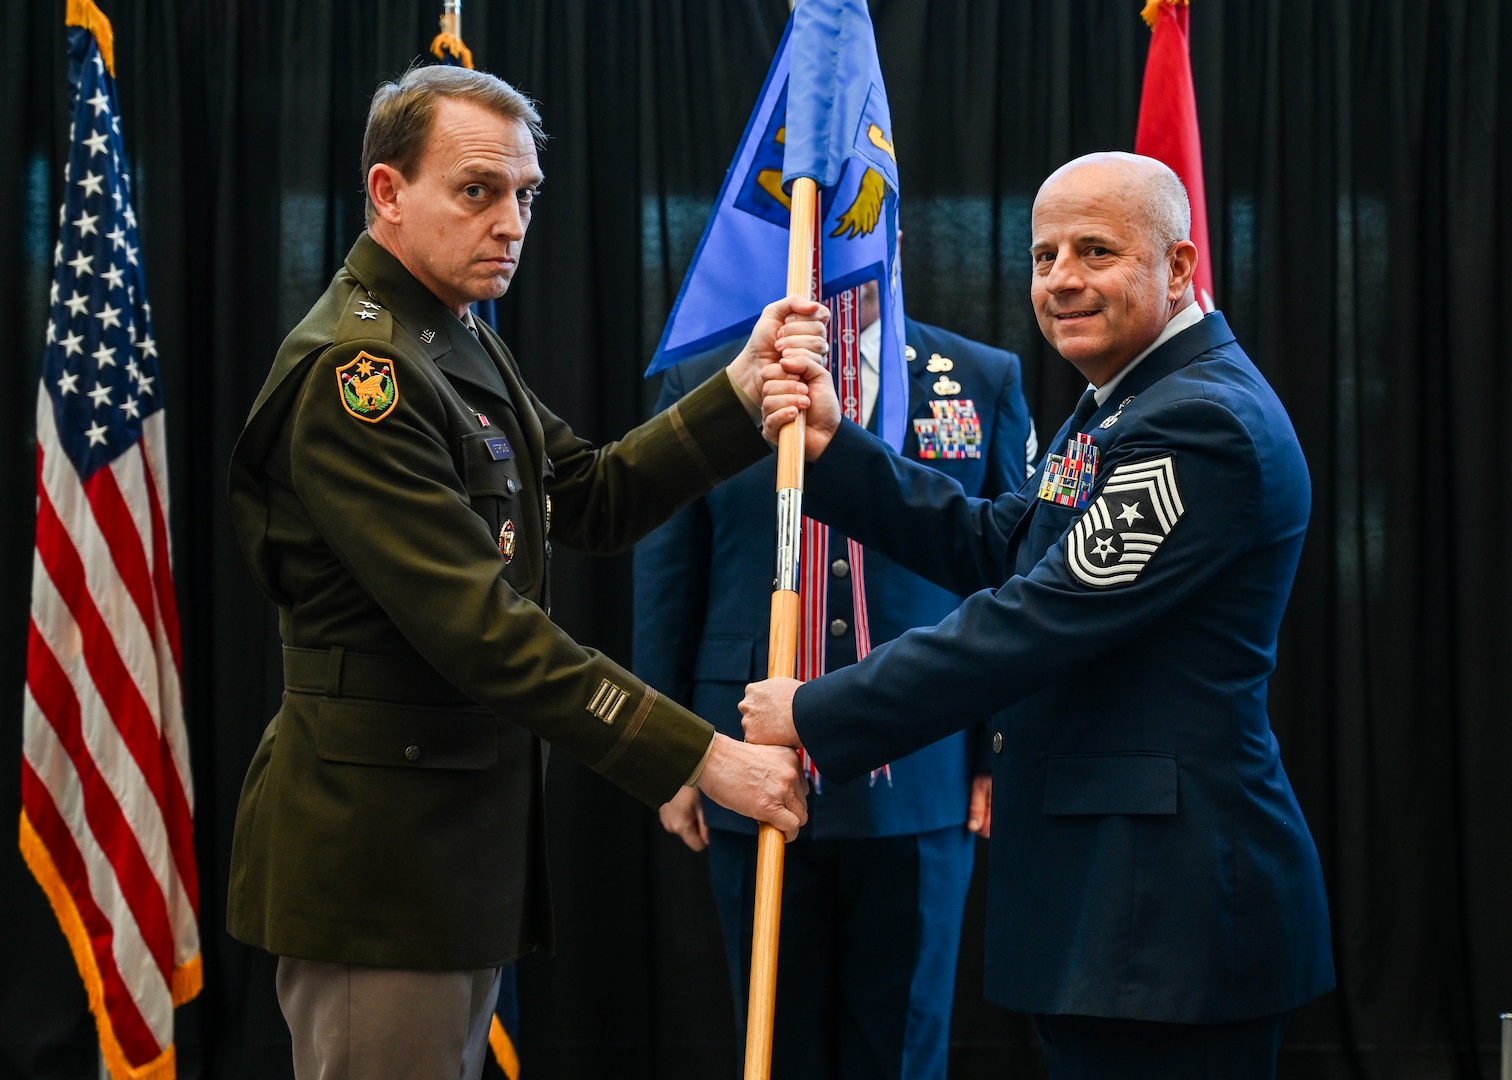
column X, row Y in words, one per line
column 106, row 796
column 1168, row 123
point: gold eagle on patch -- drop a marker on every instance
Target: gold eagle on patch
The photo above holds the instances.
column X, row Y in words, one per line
column 369, row 390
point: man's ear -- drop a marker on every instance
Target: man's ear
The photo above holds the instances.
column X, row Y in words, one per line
column 1183, row 264
column 385, row 184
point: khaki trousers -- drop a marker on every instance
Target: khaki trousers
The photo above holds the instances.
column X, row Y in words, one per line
column 361, row 1023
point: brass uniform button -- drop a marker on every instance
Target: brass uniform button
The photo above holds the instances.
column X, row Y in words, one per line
column 838, row 627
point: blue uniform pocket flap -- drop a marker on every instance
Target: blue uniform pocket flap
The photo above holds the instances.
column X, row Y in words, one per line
column 725, row 659
column 399, row 736
column 1110, row 784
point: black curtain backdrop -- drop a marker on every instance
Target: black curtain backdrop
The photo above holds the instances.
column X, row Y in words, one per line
column 1358, row 161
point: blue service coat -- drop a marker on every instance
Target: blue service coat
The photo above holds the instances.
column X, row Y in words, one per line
column 703, row 588
column 1149, row 859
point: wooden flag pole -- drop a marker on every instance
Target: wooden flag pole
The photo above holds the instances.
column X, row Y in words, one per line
column 782, row 659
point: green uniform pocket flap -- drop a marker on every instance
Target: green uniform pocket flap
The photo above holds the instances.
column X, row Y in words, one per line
column 489, row 466
column 1110, row 784
column 399, row 736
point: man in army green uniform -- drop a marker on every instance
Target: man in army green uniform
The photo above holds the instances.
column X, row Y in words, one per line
column 394, row 490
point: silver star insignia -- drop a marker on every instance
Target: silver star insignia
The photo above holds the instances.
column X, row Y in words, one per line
column 364, row 314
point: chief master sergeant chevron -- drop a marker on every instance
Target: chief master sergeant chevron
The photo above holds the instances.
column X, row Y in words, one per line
column 1155, row 899
column 394, row 490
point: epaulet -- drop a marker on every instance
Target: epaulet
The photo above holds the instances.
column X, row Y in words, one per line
column 363, row 317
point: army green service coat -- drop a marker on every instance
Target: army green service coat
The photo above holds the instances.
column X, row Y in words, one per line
column 393, row 491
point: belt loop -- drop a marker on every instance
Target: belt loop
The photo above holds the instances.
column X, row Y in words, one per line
column 333, row 671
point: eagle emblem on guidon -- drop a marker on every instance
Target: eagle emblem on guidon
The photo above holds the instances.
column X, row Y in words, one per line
column 1136, row 510
column 860, row 218
column 368, row 388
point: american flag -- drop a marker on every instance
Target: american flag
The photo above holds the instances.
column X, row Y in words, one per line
column 107, row 802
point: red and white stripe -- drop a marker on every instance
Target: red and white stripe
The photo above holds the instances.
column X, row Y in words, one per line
column 845, row 353
column 107, row 798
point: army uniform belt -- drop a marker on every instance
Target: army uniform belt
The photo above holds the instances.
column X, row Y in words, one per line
column 338, row 673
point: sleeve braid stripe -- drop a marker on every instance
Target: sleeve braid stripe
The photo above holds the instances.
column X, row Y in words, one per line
column 684, row 436
column 627, row 736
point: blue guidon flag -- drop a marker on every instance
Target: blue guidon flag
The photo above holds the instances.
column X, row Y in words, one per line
column 822, row 114
column 1134, row 512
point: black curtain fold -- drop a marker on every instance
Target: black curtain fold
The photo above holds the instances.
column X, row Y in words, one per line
column 1358, row 161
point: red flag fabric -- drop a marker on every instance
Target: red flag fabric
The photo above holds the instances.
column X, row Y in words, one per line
column 106, row 795
column 1168, row 123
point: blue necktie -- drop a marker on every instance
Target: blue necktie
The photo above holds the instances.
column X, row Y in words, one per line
column 1084, row 410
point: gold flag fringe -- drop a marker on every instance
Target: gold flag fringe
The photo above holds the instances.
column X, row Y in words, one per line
column 504, row 1050
column 1151, row 10
column 451, row 43
column 186, row 979
column 86, row 14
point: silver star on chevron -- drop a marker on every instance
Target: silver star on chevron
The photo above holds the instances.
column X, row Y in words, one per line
column 1130, row 513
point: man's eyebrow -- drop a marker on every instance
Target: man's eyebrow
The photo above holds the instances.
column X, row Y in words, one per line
column 491, row 172
column 1092, row 238
column 469, row 173
column 479, row 172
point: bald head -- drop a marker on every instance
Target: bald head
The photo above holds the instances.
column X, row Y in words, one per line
column 1112, row 258
column 1148, row 188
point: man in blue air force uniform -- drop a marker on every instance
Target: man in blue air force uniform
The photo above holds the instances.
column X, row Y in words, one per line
column 874, row 887
column 1155, row 898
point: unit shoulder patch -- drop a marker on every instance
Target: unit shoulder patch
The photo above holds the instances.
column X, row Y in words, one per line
column 1121, row 531
column 368, row 387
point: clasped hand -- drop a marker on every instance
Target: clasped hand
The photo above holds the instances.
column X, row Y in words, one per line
column 799, row 383
column 792, row 330
column 761, row 782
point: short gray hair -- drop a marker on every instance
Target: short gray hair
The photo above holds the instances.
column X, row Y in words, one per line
column 403, row 113
column 1168, row 210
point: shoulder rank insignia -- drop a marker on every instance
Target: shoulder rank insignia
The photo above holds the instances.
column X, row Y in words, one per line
column 1135, row 511
column 369, row 390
